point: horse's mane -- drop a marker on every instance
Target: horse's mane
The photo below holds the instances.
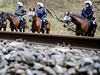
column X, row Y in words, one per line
column 10, row 14
column 79, row 16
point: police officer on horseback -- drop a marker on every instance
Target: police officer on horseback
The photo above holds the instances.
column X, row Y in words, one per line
column 20, row 11
column 41, row 13
column 88, row 12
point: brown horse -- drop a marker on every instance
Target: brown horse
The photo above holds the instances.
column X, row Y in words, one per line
column 14, row 21
column 82, row 24
column 3, row 23
column 36, row 23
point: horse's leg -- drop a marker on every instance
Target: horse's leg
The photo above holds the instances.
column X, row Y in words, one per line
column 77, row 34
column 0, row 28
column 47, row 31
column 5, row 26
column 16, row 30
column 86, row 34
column 20, row 29
column 43, row 31
column 38, row 30
column 33, row 31
column 4, row 29
column 11, row 26
column 83, row 34
column 48, row 28
column 91, row 33
column 12, row 29
column 23, row 29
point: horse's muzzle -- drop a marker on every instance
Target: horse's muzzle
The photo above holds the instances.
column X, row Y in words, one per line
column 64, row 25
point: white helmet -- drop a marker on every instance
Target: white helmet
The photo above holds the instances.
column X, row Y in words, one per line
column 20, row 3
column 89, row 2
column 40, row 4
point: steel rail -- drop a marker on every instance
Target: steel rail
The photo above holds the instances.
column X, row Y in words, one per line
column 74, row 41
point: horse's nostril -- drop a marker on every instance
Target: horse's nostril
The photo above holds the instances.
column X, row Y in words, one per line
column 29, row 20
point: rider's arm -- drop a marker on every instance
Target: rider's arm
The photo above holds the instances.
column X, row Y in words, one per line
column 23, row 11
column 84, row 13
column 91, row 13
column 44, row 13
column 15, row 12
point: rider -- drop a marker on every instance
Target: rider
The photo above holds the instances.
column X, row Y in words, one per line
column 20, row 11
column 88, row 12
column 41, row 13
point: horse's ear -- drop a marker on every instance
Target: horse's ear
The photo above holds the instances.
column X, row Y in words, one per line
column 30, row 9
column 64, row 13
column 68, row 13
column 2, row 12
column 33, row 9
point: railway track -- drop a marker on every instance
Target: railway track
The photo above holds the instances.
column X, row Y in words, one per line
column 74, row 41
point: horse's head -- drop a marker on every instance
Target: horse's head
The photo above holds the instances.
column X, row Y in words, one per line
column 2, row 18
column 67, row 19
column 32, row 14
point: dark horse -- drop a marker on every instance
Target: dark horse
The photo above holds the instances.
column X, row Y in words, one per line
column 83, row 26
column 14, row 21
column 3, row 23
column 36, row 23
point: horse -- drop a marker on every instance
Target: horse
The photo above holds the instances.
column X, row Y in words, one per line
column 14, row 21
column 37, row 23
column 83, row 27
column 3, row 23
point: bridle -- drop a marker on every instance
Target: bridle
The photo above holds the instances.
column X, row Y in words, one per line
column 31, row 16
column 67, row 19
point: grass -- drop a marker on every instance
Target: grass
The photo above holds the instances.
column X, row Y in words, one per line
column 58, row 7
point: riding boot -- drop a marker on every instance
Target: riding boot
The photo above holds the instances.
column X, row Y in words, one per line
column 44, row 25
column 21, row 24
column 95, row 25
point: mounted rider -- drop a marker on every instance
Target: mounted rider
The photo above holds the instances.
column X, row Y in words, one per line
column 88, row 12
column 20, row 11
column 41, row 13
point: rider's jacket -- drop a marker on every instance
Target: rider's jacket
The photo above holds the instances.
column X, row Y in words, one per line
column 88, row 12
column 41, row 13
column 20, row 11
